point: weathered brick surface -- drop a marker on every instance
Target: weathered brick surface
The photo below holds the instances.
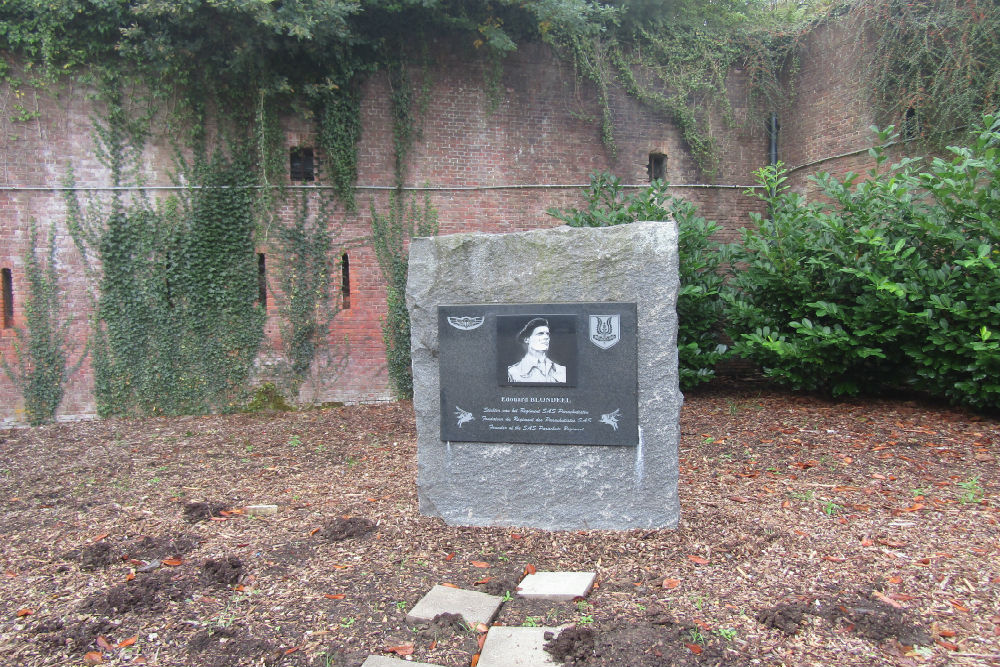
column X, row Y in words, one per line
column 486, row 168
column 827, row 125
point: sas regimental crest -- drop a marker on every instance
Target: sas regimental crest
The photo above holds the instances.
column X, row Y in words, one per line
column 605, row 330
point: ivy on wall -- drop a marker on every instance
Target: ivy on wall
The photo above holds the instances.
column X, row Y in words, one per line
column 41, row 346
column 339, row 115
column 934, row 65
column 407, row 106
column 177, row 326
column 305, row 300
column 675, row 58
column 670, row 54
column 390, row 235
column 938, row 57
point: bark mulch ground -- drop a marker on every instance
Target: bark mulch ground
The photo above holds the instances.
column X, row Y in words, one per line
column 812, row 533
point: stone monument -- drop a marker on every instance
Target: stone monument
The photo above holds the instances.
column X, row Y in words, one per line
column 545, row 377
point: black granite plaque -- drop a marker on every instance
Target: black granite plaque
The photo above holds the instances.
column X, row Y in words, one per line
column 555, row 373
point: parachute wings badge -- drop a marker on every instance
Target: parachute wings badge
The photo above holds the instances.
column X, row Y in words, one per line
column 467, row 323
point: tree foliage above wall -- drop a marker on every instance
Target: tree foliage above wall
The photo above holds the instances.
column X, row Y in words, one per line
column 671, row 54
column 938, row 57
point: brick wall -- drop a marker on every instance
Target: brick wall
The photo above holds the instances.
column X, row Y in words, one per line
column 827, row 125
column 484, row 169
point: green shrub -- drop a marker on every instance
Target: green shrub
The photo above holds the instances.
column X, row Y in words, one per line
column 699, row 308
column 889, row 283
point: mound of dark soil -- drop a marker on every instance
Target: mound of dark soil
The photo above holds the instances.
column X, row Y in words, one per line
column 226, row 571
column 858, row 613
column 572, row 644
column 98, row 556
column 640, row 644
column 146, row 592
column 80, row 634
column 344, row 529
column 228, row 646
column 150, row 547
column 784, row 617
column 446, row 622
column 874, row 620
column 498, row 585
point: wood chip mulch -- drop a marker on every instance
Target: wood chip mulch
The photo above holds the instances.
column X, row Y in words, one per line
column 812, row 533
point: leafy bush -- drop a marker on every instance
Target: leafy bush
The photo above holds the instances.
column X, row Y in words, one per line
column 699, row 308
column 890, row 283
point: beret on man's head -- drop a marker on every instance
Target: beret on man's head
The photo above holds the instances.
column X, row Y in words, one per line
column 530, row 327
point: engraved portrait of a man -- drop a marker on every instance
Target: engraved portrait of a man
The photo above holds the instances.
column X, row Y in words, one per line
column 536, row 366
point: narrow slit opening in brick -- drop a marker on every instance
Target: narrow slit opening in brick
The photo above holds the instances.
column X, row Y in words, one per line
column 262, row 280
column 345, row 281
column 8, row 297
column 911, row 124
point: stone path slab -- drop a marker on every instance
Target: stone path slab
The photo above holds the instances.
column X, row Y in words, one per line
column 384, row 661
column 475, row 607
column 516, row 647
column 557, row 586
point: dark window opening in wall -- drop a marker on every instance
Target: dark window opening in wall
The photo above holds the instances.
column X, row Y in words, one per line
column 302, row 167
column 345, row 281
column 8, row 297
column 657, row 167
column 261, row 280
column 911, row 125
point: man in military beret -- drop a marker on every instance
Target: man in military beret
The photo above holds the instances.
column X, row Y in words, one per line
column 535, row 366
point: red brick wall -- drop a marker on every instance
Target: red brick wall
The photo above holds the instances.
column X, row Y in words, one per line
column 484, row 170
column 827, row 126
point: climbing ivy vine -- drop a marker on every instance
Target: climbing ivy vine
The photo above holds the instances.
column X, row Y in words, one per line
column 41, row 347
column 934, row 64
column 675, row 58
column 390, row 234
column 176, row 326
column 339, row 114
column 304, row 298
column 407, row 106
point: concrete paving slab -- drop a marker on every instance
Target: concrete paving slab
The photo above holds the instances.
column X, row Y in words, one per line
column 556, row 585
column 385, row 661
column 475, row 607
column 516, row 647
